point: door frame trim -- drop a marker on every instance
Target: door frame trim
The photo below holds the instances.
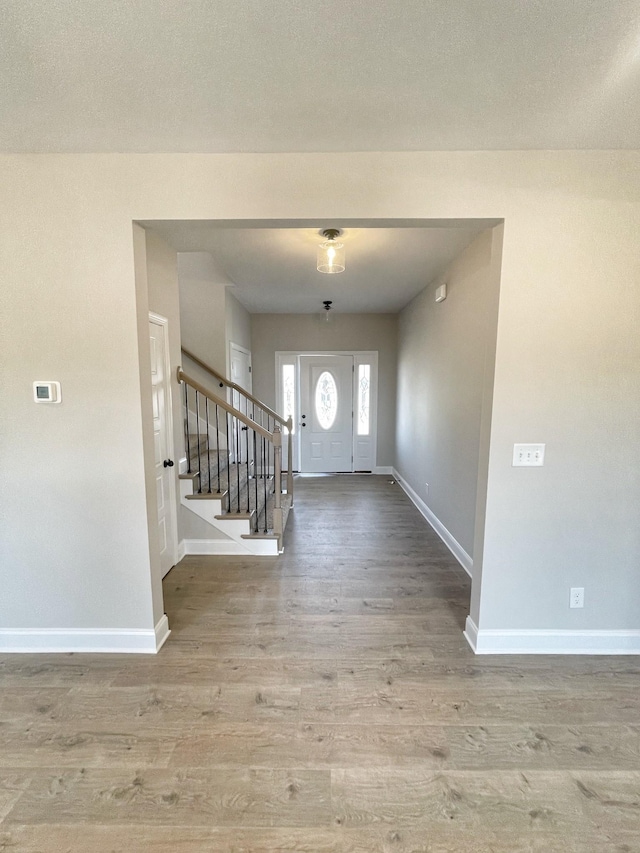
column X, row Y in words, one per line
column 173, row 492
column 359, row 357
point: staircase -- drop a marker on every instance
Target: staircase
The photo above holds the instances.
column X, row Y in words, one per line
column 234, row 479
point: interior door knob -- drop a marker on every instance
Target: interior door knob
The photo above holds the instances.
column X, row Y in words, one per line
column 168, row 463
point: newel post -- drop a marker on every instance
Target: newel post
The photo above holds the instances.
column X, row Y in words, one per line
column 277, row 482
column 290, row 458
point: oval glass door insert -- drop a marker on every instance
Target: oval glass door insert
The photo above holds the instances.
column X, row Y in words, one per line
column 326, row 400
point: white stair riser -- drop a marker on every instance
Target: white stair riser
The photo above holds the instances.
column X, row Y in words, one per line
column 263, row 547
column 208, row 508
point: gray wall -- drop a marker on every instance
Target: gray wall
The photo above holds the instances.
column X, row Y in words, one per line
column 211, row 316
column 203, row 311
column 75, row 551
column 237, row 325
column 441, row 365
column 567, row 374
column 310, row 332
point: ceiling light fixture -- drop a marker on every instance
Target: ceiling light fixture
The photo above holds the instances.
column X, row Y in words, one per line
column 331, row 253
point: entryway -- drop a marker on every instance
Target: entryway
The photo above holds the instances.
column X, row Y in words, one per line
column 332, row 400
column 326, row 418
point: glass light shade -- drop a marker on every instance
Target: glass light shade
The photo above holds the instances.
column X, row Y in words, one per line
column 331, row 257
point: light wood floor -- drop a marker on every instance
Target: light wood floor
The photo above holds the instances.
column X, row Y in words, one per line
column 321, row 701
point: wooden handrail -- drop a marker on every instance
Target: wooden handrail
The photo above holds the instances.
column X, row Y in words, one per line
column 236, row 387
column 183, row 377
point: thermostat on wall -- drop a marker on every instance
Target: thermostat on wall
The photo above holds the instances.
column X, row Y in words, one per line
column 47, row 392
column 441, row 293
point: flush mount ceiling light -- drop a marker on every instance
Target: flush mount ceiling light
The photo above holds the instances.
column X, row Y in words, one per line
column 331, row 253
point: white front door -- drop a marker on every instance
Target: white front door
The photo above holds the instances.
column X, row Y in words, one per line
column 163, row 463
column 325, row 425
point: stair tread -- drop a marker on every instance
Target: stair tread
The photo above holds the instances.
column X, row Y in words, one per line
column 242, row 515
column 235, row 482
column 259, row 536
column 203, row 496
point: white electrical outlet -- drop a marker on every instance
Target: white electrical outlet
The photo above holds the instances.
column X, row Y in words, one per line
column 576, row 596
column 528, row 455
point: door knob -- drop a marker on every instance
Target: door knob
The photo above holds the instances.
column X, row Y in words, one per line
column 168, row 463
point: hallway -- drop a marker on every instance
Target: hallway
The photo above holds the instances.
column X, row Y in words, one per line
column 324, row 700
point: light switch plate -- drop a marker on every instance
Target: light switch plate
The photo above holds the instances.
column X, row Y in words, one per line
column 528, row 455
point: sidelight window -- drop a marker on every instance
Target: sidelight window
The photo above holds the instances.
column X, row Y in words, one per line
column 289, row 393
column 364, row 390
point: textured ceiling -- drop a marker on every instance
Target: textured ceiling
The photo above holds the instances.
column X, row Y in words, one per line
column 274, row 269
column 251, row 75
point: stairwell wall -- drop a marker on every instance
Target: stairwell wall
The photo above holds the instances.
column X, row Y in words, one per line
column 237, row 326
column 203, row 311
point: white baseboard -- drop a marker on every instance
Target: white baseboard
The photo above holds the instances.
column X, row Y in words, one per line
column 87, row 640
column 549, row 642
column 452, row 544
column 471, row 633
column 162, row 632
column 383, row 469
column 221, row 547
column 182, row 551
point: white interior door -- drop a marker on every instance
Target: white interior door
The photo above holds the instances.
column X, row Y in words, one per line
column 240, row 361
column 326, row 413
column 163, row 464
column 240, row 367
